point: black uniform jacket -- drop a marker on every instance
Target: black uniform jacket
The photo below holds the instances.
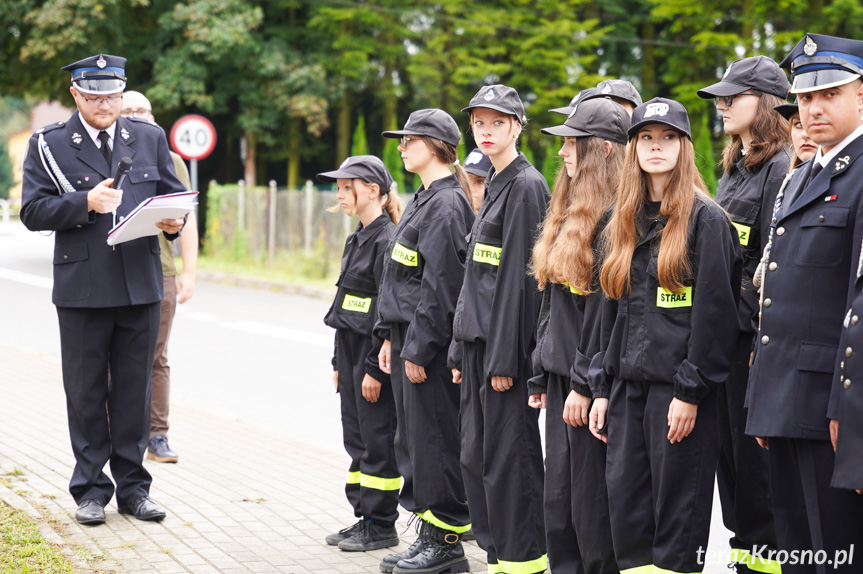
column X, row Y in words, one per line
column 806, row 289
column 356, row 303
column 499, row 301
column 87, row 271
column 423, row 269
column 748, row 199
column 685, row 339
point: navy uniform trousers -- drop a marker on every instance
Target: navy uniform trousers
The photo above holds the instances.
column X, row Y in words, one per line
column 577, row 522
column 501, row 461
column 368, row 430
column 427, row 440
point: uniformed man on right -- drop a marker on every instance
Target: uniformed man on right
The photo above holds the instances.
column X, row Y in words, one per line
column 816, row 242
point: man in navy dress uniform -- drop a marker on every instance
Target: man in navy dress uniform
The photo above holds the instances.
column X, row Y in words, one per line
column 107, row 298
column 816, row 234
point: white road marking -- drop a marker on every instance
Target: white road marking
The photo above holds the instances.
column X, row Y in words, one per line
column 26, row 278
column 281, row 333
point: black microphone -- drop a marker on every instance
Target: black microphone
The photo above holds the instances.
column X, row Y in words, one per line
column 123, row 168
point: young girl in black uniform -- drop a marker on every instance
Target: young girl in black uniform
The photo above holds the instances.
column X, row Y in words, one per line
column 564, row 264
column 671, row 271
column 368, row 410
column 756, row 162
column 496, row 320
column 422, row 277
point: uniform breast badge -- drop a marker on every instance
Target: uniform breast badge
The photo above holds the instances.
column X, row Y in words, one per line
column 124, row 133
column 76, row 138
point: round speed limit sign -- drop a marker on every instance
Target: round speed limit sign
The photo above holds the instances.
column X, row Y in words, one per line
column 193, row 137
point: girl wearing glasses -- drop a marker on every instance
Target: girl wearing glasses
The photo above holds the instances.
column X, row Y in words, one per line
column 421, row 281
column 671, row 272
column 577, row 527
column 756, row 160
column 496, row 321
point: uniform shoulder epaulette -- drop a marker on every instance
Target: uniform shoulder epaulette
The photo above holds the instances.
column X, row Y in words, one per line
column 49, row 127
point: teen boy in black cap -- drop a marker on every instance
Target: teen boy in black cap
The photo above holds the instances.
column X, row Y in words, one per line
column 756, row 162
column 368, row 409
column 496, row 320
column 107, row 298
column 812, row 264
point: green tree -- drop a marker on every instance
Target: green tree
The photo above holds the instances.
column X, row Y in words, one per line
column 359, row 145
column 7, row 178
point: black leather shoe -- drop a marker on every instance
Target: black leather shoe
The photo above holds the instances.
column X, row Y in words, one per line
column 91, row 512
column 144, row 509
column 344, row 533
column 370, row 537
column 442, row 552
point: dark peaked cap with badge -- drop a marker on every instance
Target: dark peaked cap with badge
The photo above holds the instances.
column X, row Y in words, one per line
column 755, row 73
column 499, row 98
column 580, row 96
column 433, row 123
column 660, row 111
column 622, row 89
column 98, row 75
column 365, row 167
column 599, row 117
column 818, row 62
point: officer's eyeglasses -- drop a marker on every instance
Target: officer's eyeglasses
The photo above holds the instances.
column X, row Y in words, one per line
column 99, row 101
column 136, row 113
column 729, row 100
column 408, row 139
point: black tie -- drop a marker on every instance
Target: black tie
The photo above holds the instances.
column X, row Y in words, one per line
column 816, row 169
column 789, row 201
column 106, row 151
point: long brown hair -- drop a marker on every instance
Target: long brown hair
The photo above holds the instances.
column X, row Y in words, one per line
column 448, row 154
column 564, row 251
column 770, row 135
column 621, row 234
column 392, row 206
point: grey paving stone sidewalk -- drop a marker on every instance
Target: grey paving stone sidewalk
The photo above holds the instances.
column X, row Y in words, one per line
column 242, row 499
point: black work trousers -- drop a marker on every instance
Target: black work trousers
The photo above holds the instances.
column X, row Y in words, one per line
column 501, row 461
column 660, row 494
column 577, row 522
column 109, row 421
column 810, row 515
column 743, row 474
column 368, row 429
column 428, row 436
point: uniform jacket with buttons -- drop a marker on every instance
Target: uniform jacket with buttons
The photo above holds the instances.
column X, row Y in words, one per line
column 87, row 271
column 355, row 306
column 685, row 339
column 805, row 299
column 423, row 269
column 499, row 301
column 748, row 197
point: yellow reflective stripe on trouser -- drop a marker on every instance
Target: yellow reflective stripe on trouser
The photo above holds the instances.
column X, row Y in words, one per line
column 379, row 483
column 658, row 570
column 492, row 568
column 435, row 521
column 354, row 477
column 755, row 563
column 639, row 570
column 529, row 567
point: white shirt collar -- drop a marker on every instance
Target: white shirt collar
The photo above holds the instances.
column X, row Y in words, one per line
column 828, row 157
column 94, row 133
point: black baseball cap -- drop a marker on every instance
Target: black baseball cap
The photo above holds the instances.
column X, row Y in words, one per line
column 365, row 167
column 477, row 163
column 580, row 96
column 755, row 73
column 818, row 62
column 432, row 122
column 498, row 97
column 660, row 111
column 787, row 110
column 598, row 117
column 616, row 89
column 98, row 75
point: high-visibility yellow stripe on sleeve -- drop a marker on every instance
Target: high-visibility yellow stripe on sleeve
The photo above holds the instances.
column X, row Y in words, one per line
column 490, row 254
column 755, row 563
column 354, row 477
column 379, row 483
column 435, row 521
column 530, row 567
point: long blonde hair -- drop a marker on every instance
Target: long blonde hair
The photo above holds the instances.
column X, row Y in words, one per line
column 392, row 206
column 621, row 234
column 564, row 251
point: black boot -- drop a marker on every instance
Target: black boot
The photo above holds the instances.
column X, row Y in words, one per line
column 370, row 537
column 441, row 553
column 389, row 562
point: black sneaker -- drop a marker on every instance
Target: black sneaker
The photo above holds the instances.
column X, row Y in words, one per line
column 370, row 537
column 441, row 552
column 344, row 533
